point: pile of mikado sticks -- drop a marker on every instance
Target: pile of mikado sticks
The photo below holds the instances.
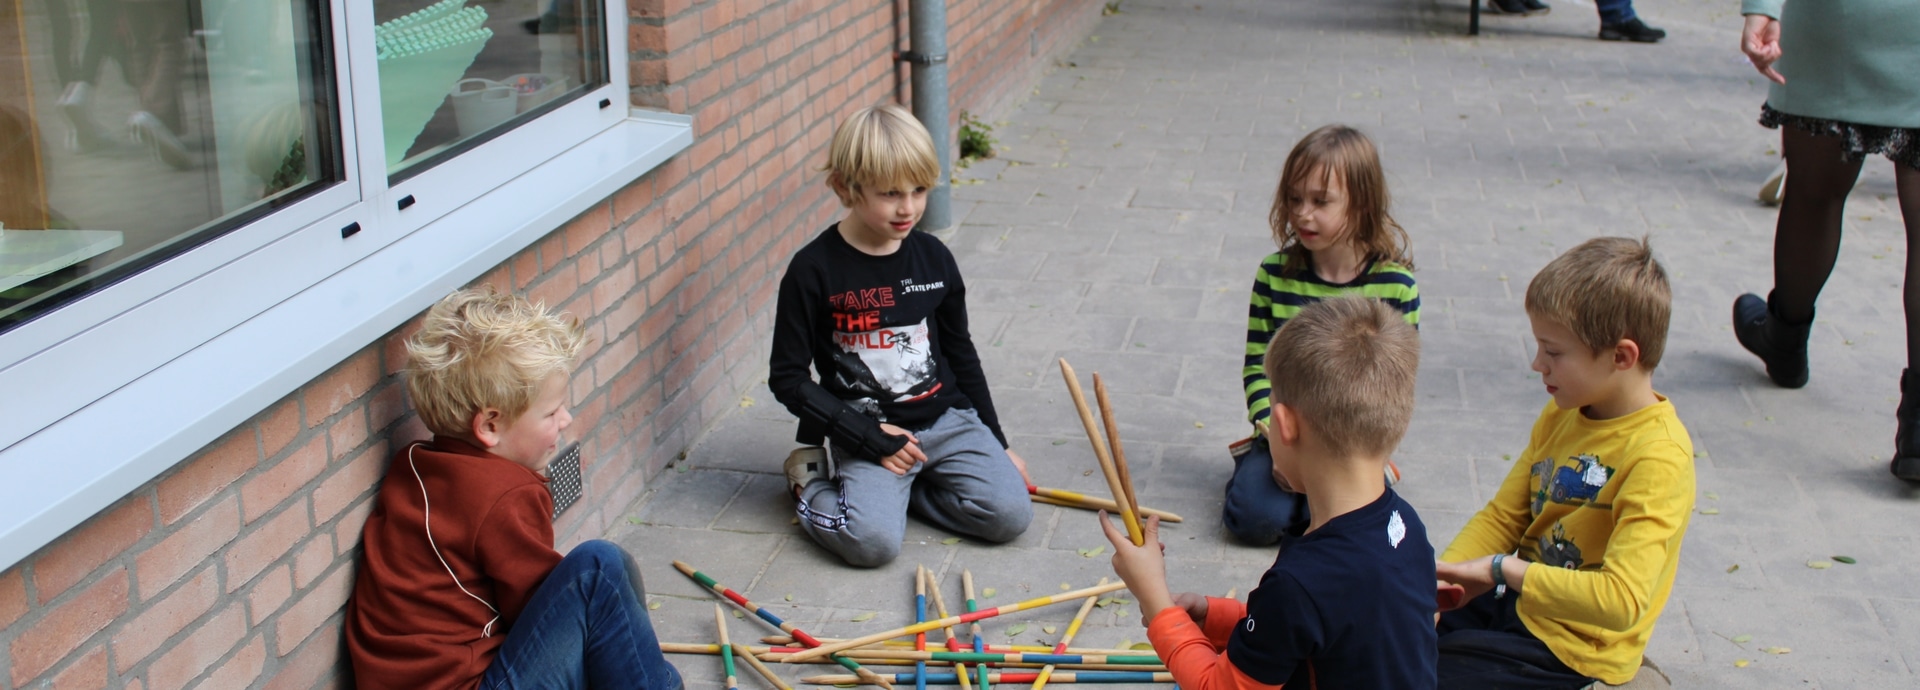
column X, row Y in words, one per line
column 1033, row 665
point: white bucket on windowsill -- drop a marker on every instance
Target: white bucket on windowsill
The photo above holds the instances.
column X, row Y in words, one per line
column 482, row 104
column 536, row 89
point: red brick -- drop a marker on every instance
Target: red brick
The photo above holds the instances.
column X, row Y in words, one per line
column 348, row 432
column 346, row 533
column 163, row 619
column 309, row 664
column 89, row 671
column 198, row 480
column 269, row 593
column 241, row 670
column 312, row 560
column 388, row 405
column 64, row 628
column 191, row 543
column 100, row 539
column 200, row 649
column 587, row 228
column 273, row 486
column 356, row 479
column 269, row 541
column 13, row 597
column 314, row 608
column 279, row 427
column 346, row 383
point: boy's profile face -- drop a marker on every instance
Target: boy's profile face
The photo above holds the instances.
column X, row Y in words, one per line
column 884, row 214
column 1575, row 376
column 530, row 439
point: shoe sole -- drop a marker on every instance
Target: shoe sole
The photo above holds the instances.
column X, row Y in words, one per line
column 1770, row 191
column 1905, row 468
column 1624, row 37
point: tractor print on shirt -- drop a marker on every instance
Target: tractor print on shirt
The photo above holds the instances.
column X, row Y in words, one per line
column 1578, row 483
column 1558, row 551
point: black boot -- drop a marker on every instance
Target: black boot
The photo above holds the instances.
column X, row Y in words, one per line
column 1782, row 345
column 1906, row 435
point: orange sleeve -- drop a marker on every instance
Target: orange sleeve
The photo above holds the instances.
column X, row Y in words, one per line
column 1222, row 616
column 1195, row 660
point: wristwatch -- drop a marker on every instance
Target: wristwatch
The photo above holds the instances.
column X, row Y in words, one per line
column 1499, row 576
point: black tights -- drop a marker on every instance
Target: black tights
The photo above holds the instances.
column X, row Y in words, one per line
column 1807, row 239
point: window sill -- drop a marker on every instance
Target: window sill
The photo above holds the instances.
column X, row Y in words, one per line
column 64, row 473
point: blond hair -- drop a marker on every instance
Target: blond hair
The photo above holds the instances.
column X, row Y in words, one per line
column 480, row 348
column 879, row 148
column 1606, row 290
column 1347, row 366
column 1343, row 151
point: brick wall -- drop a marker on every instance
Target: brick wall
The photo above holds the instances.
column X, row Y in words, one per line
column 230, row 571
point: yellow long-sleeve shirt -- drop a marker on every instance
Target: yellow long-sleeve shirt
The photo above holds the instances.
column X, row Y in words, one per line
column 1599, row 507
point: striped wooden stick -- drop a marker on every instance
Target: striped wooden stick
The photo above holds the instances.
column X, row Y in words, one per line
column 726, row 646
column 1113, row 443
column 920, row 616
column 798, row 635
column 783, row 640
column 979, row 645
column 953, row 645
column 962, row 618
column 1074, row 499
column 1061, row 648
column 1006, row 677
column 1100, row 453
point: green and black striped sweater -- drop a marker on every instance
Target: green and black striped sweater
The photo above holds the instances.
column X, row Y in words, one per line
column 1278, row 297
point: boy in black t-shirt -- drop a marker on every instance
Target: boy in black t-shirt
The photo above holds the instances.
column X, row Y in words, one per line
column 880, row 312
column 1349, row 603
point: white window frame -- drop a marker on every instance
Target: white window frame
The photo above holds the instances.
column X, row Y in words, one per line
column 115, row 388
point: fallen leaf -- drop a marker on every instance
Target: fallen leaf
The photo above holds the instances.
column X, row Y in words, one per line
column 1060, row 442
column 738, row 614
column 950, row 541
column 1143, row 646
column 1742, row 639
column 1733, row 567
column 1819, row 565
column 1067, row 586
column 988, row 593
column 1048, row 629
column 1709, row 511
column 746, row 401
column 1199, row 425
column 653, row 606
column 1105, row 602
column 635, row 521
column 1506, row 457
column 1777, row 650
column 1711, row 496
column 1016, row 629
column 1095, row 551
column 1120, row 612
column 862, row 618
column 1740, row 663
column 1126, row 644
column 789, row 597
column 1845, row 559
column 1087, row 473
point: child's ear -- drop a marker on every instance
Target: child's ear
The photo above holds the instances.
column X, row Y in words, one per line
column 487, row 425
column 1626, row 355
column 1285, row 426
column 840, row 189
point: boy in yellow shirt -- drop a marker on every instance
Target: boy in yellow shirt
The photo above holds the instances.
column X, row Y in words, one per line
column 1599, row 499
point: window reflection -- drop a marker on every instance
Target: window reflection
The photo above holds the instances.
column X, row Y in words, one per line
column 453, row 72
column 132, row 130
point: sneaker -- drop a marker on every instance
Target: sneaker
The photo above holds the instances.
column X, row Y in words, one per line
column 805, row 466
column 1775, row 187
column 1514, row 7
column 1536, row 7
column 1631, row 30
column 149, row 130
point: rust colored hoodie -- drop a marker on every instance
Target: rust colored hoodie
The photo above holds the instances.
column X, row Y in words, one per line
column 409, row 625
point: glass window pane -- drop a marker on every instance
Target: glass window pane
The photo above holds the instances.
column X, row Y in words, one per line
column 133, row 130
column 455, row 72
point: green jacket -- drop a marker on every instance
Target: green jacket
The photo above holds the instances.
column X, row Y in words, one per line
column 1852, row 60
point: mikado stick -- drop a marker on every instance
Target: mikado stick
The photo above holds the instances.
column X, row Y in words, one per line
column 783, row 640
column 1072, row 628
column 979, row 645
column 1075, row 499
column 744, row 652
column 798, row 635
column 1113, row 445
column 1006, row 677
column 962, row 618
column 920, row 616
column 726, row 646
column 908, row 657
column 1100, row 453
column 953, row 645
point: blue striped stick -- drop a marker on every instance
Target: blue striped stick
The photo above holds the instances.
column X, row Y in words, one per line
column 920, row 616
column 979, row 645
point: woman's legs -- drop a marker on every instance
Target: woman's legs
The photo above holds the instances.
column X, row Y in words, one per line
column 1906, row 439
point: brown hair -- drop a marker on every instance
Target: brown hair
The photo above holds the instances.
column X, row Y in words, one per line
column 1606, row 290
column 877, row 147
column 481, row 348
column 1347, row 366
column 1344, row 151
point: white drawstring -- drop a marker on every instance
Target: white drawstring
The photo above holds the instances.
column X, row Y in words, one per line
column 427, row 523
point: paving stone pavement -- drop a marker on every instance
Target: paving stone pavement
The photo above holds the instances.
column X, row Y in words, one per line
column 1121, row 223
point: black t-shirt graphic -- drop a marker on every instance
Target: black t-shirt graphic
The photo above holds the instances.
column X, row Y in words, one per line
column 887, row 334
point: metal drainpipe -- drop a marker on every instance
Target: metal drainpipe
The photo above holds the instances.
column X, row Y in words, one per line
column 927, row 28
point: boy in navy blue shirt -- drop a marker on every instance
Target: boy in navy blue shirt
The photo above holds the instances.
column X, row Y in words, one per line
column 1348, row 603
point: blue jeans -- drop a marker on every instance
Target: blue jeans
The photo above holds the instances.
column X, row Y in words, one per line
column 1615, row 11
column 1257, row 510
column 1484, row 646
column 586, row 626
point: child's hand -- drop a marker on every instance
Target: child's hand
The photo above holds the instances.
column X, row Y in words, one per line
column 1144, row 568
column 908, row 455
column 1020, row 463
column 1194, row 604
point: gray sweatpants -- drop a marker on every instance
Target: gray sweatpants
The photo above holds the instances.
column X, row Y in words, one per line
column 967, row 485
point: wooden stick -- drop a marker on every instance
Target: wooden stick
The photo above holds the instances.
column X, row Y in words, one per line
column 799, row 635
column 826, row 649
column 726, row 646
column 908, row 657
column 1073, row 499
column 1067, row 677
column 953, row 645
column 966, row 585
column 1100, row 452
column 1113, row 442
column 1061, row 647
column 782, row 640
column 920, row 616
column 743, row 652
